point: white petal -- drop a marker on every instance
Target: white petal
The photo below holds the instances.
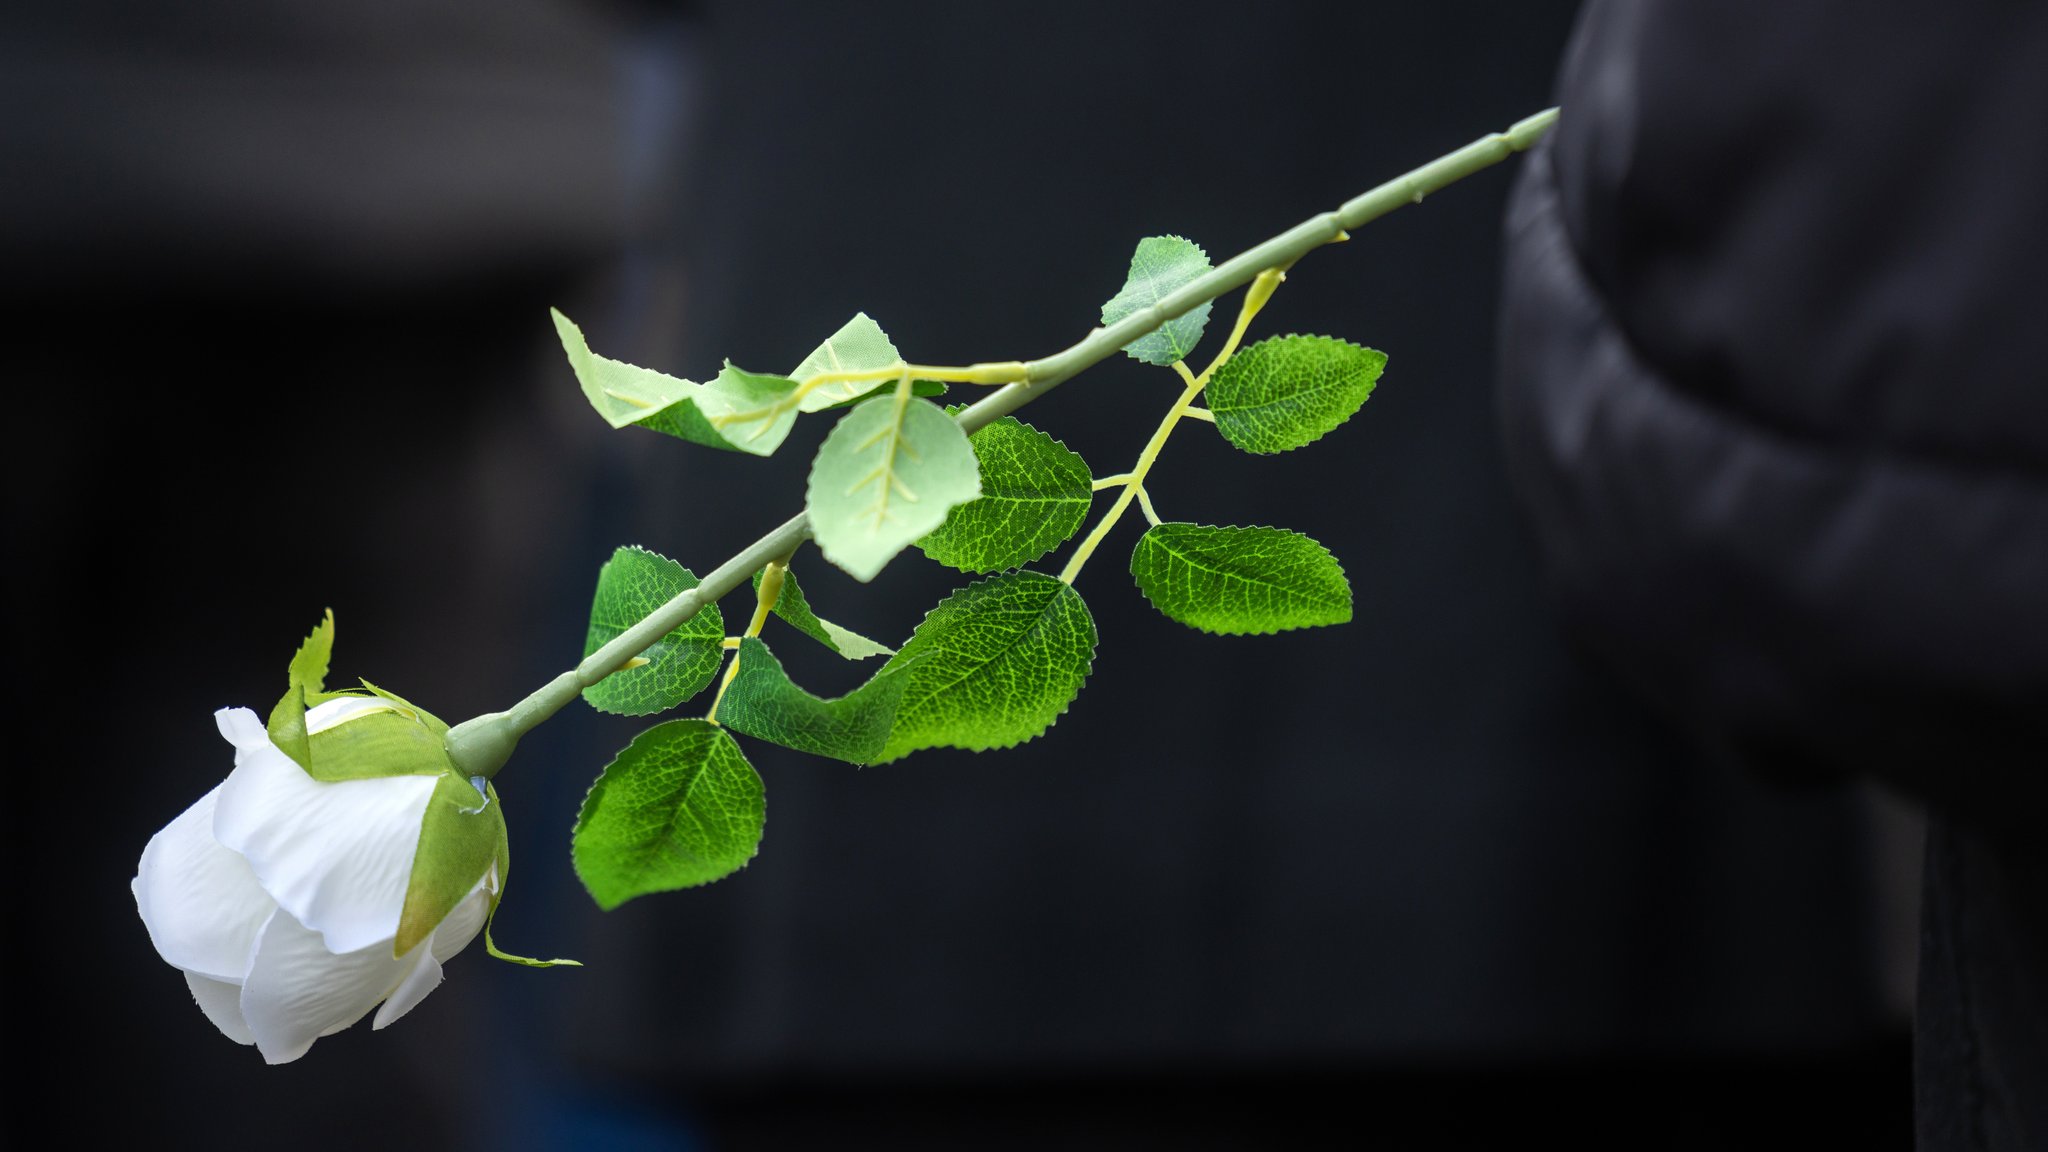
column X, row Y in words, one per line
column 222, row 1003
column 298, row 991
column 337, row 856
column 452, row 935
column 463, row 924
column 425, row 977
column 201, row 902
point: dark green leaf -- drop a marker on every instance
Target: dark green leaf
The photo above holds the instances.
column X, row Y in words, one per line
column 1035, row 493
column 1289, row 391
column 679, row 807
column 1236, row 581
column 633, row 583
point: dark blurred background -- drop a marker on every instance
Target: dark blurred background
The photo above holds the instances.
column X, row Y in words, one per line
column 280, row 273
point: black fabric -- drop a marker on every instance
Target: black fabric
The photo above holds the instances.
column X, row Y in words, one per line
column 1772, row 344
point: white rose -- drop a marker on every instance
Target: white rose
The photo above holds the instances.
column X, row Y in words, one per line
column 281, row 895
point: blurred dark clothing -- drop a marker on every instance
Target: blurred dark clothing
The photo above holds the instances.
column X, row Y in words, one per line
column 1774, row 331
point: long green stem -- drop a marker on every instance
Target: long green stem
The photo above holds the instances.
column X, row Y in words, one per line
column 482, row 745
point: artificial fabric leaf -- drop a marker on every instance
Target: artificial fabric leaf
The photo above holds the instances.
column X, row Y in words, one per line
column 888, row 474
column 737, row 410
column 1159, row 266
column 679, row 807
column 1240, row 581
column 795, row 610
column 633, row 583
column 993, row 665
column 763, row 703
column 1288, row 391
column 461, row 838
column 925, row 389
column 860, row 345
column 1035, row 493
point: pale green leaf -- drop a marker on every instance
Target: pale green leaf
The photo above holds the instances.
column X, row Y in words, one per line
column 1288, row 391
column 462, row 838
column 679, row 807
column 1035, row 493
column 1159, row 266
column 738, row 410
column 795, row 610
column 1239, row 581
column 860, row 345
column 993, row 665
column 888, row 474
column 763, row 703
column 633, row 583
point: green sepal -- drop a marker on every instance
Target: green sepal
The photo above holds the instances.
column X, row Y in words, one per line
column 885, row 476
column 287, row 727
column 633, row 583
column 491, row 948
column 1035, row 494
column 625, row 394
column 763, row 703
column 994, row 665
column 306, row 682
column 1160, row 265
column 309, row 663
column 462, row 843
column 1289, row 391
column 860, row 345
column 1240, row 581
column 795, row 610
column 378, row 744
column 434, row 724
column 679, row 807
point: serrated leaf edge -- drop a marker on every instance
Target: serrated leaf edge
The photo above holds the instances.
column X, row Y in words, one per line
column 1210, row 399
column 1351, row 608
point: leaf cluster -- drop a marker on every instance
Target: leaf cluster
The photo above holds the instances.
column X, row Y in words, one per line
column 998, row 661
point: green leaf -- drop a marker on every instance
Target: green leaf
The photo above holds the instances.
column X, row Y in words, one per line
column 1288, row 391
column 633, row 583
column 794, row 609
column 678, row 808
column 1035, row 493
column 763, row 703
column 860, row 345
column 1160, row 265
column 738, row 410
column 993, row 665
column 887, row 475
column 924, row 389
column 461, row 839
column 1240, row 581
